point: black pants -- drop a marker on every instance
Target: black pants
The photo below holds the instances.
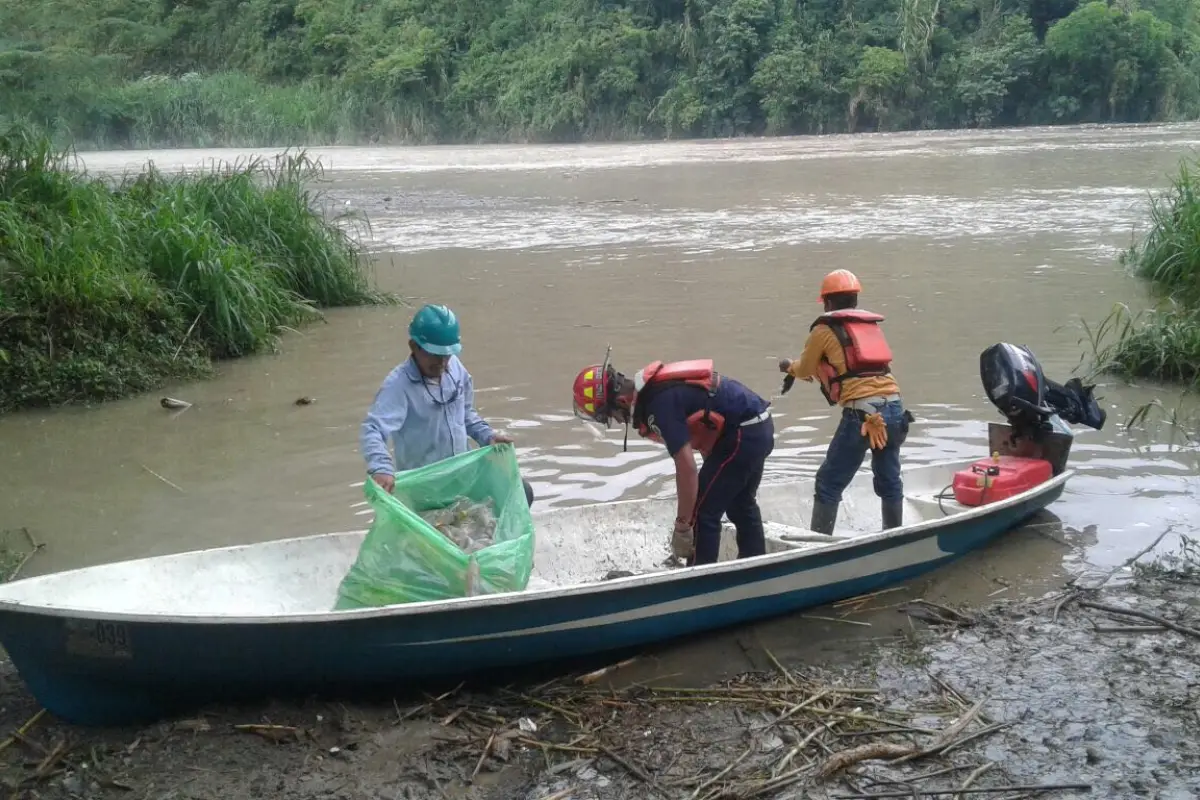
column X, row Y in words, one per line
column 528, row 491
column 729, row 483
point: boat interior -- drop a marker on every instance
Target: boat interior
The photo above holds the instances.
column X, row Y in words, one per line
column 575, row 545
column 589, row 543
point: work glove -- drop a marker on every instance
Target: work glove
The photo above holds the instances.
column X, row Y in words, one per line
column 683, row 541
column 875, row 429
column 788, row 380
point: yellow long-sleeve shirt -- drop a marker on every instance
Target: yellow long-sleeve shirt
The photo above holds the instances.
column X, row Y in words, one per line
column 822, row 344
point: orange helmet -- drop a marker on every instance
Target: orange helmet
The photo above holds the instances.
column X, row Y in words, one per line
column 840, row 281
column 590, row 393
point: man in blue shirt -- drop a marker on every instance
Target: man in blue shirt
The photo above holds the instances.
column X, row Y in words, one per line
column 426, row 406
column 689, row 407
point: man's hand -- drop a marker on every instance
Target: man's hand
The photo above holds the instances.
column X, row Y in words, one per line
column 785, row 364
column 500, row 438
column 386, row 482
column 683, row 540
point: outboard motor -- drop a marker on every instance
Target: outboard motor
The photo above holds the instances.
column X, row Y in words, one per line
column 1036, row 442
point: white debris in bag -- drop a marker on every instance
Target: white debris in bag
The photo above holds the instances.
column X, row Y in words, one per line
column 469, row 524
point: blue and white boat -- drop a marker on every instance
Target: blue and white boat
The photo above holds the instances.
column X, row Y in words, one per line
column 138, row 640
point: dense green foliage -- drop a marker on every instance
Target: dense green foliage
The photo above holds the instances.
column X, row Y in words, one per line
column 107, row 290
column 1164, row 342
column 162, row 72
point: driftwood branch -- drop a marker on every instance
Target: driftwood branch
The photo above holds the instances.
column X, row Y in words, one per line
column 1043, row 787
column 1130, row 612
column 866, row 752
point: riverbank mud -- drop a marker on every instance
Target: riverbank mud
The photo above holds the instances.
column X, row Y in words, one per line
column 1059, row 691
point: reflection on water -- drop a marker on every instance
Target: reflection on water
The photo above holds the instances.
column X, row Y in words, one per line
column 673, row 250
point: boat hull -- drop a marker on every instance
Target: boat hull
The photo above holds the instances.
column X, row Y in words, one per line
column 92, row 670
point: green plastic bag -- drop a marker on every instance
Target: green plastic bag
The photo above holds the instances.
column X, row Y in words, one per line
column 404, row 559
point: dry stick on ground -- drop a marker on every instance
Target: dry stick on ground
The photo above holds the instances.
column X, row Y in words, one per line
column 900, row 753
column 632, row 769
column 274, row 733
column 1045, row 787
column 563, row 795
column 795, row 751
column 946, row 737
column 24, row 729
column 592, row 677
column 1062, row 601
column 956, row 694
column 862, row 598
column 487, row 748
column 44, row 769
column 942, row 614
column 772, row 785
column 924, row 776
column 970, row 737
column 837, row 619
column 799, row 699
column 722, row 773
column 748, row 690
column 787, row 676
column 1130, row 561
column 865, row 752
column 1128, row 628
column 973, row 777
column 1108, row 576
column 565, row 748
column 797, row 708
column 1130, row 612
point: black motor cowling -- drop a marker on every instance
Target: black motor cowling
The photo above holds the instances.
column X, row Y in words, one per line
column 1015, row 383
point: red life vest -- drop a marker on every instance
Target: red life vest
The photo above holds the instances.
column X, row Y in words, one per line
column 705, row 426
column 864, row 347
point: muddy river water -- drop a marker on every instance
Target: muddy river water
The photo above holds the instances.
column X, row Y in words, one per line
column 663, row 250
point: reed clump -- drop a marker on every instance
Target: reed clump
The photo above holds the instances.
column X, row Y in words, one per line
column 1162, row 343
column 110, row 288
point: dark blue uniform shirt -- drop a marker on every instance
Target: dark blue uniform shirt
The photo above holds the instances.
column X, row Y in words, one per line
column 669, row 409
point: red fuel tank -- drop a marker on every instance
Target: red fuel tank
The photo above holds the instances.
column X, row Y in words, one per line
column 999, row 478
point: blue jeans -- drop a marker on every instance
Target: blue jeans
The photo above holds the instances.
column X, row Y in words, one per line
column 849, row 447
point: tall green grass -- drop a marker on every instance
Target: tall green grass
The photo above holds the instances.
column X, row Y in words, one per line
column 1169, row 255
column 113, row 288
column 1162, row 343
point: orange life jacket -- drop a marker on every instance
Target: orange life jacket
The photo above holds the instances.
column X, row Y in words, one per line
column 705, row 426
column 864, row 347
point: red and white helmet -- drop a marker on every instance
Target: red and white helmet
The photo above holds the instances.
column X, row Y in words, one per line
column 591, row 393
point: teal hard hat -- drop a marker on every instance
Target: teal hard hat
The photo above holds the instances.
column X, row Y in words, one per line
column 435, row 330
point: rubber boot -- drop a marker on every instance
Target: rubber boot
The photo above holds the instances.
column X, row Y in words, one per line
column 893, row 513
column 824, row 517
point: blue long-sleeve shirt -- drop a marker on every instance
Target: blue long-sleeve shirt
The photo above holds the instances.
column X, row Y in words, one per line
column 426, row 422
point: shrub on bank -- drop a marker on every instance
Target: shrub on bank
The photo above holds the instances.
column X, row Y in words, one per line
column 1162, row 343
column 109, row 289
column 1169, row 255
